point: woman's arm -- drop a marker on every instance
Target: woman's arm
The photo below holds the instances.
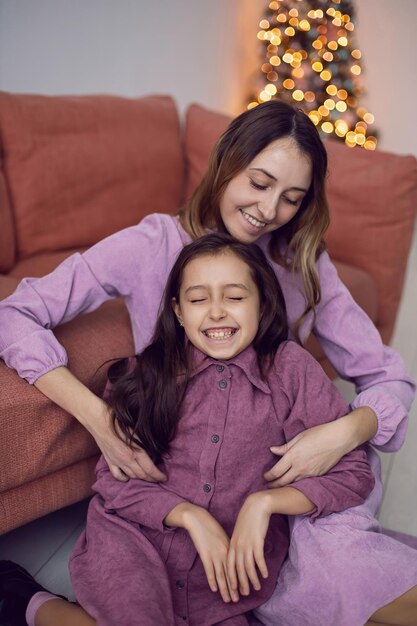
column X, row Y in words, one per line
column 379, row 413
column 316, row 421
column 63, row 388
column 116, row 266
column 354, row 347
column 317, row 449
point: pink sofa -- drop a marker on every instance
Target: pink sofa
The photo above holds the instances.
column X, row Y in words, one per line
column 75, row 169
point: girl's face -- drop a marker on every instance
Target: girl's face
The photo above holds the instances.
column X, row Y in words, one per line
column 268, row 192
column 219, row 305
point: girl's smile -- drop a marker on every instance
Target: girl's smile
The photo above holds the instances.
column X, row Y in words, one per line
column 219, row 305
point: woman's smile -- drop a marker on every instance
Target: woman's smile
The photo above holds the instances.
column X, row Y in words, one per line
column 252, row 220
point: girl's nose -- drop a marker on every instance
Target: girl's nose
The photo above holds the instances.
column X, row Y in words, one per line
column 217, row 311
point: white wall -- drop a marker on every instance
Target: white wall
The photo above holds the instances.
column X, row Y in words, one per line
column 188, row 48
column 387, row 38
column 196, row 50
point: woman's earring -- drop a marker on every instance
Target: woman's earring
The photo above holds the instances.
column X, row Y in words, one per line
column 180, row 323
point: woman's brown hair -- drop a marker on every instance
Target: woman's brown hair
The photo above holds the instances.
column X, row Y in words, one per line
column 246, row 136
column 146, row 399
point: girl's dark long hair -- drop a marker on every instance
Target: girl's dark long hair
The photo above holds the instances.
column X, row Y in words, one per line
column 146, row 395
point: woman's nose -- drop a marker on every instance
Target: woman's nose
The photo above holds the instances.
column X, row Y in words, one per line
column 268, row 209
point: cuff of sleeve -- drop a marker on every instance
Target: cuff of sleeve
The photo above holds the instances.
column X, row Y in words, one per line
column 391, row 415
column 147, row 509
column 170, row 502
column 309, row 488
column 46, row 354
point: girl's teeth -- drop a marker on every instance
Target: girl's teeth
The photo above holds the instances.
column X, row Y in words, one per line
column 253, row 221
column 219, row 334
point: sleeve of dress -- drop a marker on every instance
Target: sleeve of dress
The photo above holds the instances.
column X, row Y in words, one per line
column 314, row 400
column 135, row 500
column 353, row 345
column 78, row 285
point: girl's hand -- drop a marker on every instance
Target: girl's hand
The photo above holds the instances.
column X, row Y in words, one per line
column 246, row 552
column 318, row 449
column 123, row 460
column 212, row 545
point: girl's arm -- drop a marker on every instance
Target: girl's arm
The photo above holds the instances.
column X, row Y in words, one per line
column 379, row 413
column 117, row 266
column 157, row 507
column 211, row 542
column 246, row 552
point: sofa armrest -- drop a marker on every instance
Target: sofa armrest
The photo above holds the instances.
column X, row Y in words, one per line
column 37, row 437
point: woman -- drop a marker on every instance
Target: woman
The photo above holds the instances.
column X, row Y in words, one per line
column 265, row 184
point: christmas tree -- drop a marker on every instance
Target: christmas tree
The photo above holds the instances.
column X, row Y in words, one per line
column 309, row 58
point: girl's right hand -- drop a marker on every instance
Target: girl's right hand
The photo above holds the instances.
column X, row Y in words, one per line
column 212, row 544
column 124, row 461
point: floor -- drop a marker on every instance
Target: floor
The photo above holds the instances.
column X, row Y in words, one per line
column 43, row 546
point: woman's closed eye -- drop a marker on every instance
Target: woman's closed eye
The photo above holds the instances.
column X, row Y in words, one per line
column 258, row 186
column 291, row 202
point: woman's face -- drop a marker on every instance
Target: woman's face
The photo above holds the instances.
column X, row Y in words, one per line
column 219, row 304
column 268, row 192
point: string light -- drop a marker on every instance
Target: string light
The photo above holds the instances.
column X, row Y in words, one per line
column 311, row 59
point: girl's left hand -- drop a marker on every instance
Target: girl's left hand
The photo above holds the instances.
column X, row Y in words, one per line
column 311, row 453
column 246, row 550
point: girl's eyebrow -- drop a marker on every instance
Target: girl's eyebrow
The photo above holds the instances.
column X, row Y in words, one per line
column 239, row 285
column 261, row 169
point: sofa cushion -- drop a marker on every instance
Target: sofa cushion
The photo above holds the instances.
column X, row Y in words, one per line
column 7, row 285
column 373, row 197
column 80, row 168
column 202, row 129
column 41, row 264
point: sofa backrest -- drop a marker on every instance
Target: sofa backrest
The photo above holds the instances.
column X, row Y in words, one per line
column 80, row 168
column 373, row 203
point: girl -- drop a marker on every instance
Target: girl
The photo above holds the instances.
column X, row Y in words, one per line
column 265, row 183
column 217, row 381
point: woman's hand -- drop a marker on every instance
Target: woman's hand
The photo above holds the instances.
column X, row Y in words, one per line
column 246, row 552
column 62, row 387
column 211, row 542
column 124, row 461
column 318, row 449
